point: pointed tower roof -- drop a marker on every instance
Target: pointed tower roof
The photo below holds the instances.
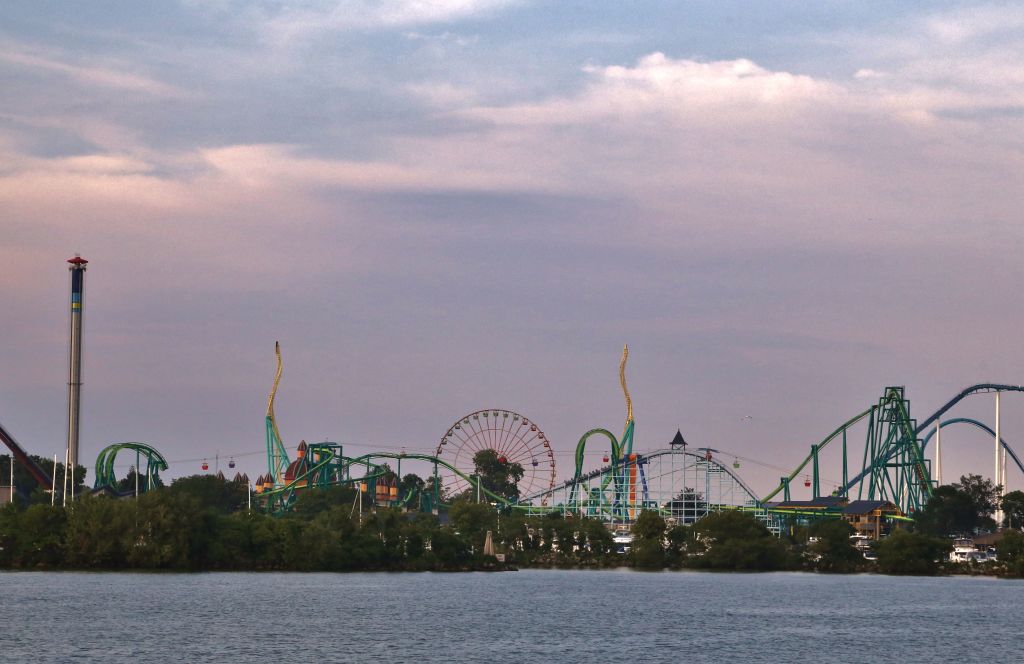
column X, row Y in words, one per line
column 678, row 439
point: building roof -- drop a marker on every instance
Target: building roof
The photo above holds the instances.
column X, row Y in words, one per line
column 819, row 503
column 989, row 538
column 866, row 506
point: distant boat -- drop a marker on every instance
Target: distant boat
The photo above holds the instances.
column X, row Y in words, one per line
column 965, row 551
column 623, row 540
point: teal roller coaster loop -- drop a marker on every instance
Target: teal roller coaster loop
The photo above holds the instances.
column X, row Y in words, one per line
column 621, row 454
column 581, row 447
column 106, row 477
column 980, row 388
column 979, row 425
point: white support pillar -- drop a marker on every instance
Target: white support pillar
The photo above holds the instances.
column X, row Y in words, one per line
column 998, row 475
column 938, row 451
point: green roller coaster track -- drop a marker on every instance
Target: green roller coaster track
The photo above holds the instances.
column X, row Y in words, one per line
column 107, row 479
column 327, row 458
column 893, row 467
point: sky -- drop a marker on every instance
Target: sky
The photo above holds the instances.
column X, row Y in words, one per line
column 438, row 206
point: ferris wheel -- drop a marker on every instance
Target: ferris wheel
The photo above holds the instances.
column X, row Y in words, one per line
column 515, row 438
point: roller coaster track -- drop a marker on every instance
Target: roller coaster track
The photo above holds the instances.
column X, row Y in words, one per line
column 24, row 459
column 374, row 471
column 611, row 468
column 105, row 476
column 980, row 425
column 980, row 388
column 917, row 452
column 828, row 439
column 440, row 462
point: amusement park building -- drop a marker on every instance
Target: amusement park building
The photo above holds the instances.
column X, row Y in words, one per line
column 873, row 518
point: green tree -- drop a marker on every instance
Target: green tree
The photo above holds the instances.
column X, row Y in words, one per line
column 100, row 532
column 309, row 504
column 513, row 532
column 472, row 521
column 963, row 508
column 737, row 540
column 1011, row 552
column 28, row 487
column 563, row 535
column 171, row 530
column 833, row 550
column 212, row 492
column 984, row 496
column 497, row 474
column 412, row 485
column 1013, row 509
column 600, row 542
column 39, row 537
column 448, row 550
column 679, row 538
column 906, row 552
column 647, row 550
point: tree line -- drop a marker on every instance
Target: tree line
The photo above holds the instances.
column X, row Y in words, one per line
column 202, row 522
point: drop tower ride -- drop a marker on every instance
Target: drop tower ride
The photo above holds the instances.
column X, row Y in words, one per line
column 77, row 269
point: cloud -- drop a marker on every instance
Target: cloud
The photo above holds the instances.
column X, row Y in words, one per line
column 282, row 22
column 116, row 78
column 974, row 23
column 954, row 61
column 868, row 73
column 751, row 226
column 668, row 88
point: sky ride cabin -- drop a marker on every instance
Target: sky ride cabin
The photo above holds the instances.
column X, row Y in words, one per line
column 873, row 519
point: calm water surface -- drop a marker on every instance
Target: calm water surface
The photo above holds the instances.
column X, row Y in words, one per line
column 526, row 616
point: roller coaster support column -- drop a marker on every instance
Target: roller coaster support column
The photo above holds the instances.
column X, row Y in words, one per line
column 938, row 452
column 785, row 488
column 816, row 486
column 845, row 472
column 999, row 476
column 437, row 492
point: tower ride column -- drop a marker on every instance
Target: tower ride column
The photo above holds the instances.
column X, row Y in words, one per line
column 77, row 269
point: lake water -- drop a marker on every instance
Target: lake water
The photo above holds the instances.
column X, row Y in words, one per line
column 525, row 616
